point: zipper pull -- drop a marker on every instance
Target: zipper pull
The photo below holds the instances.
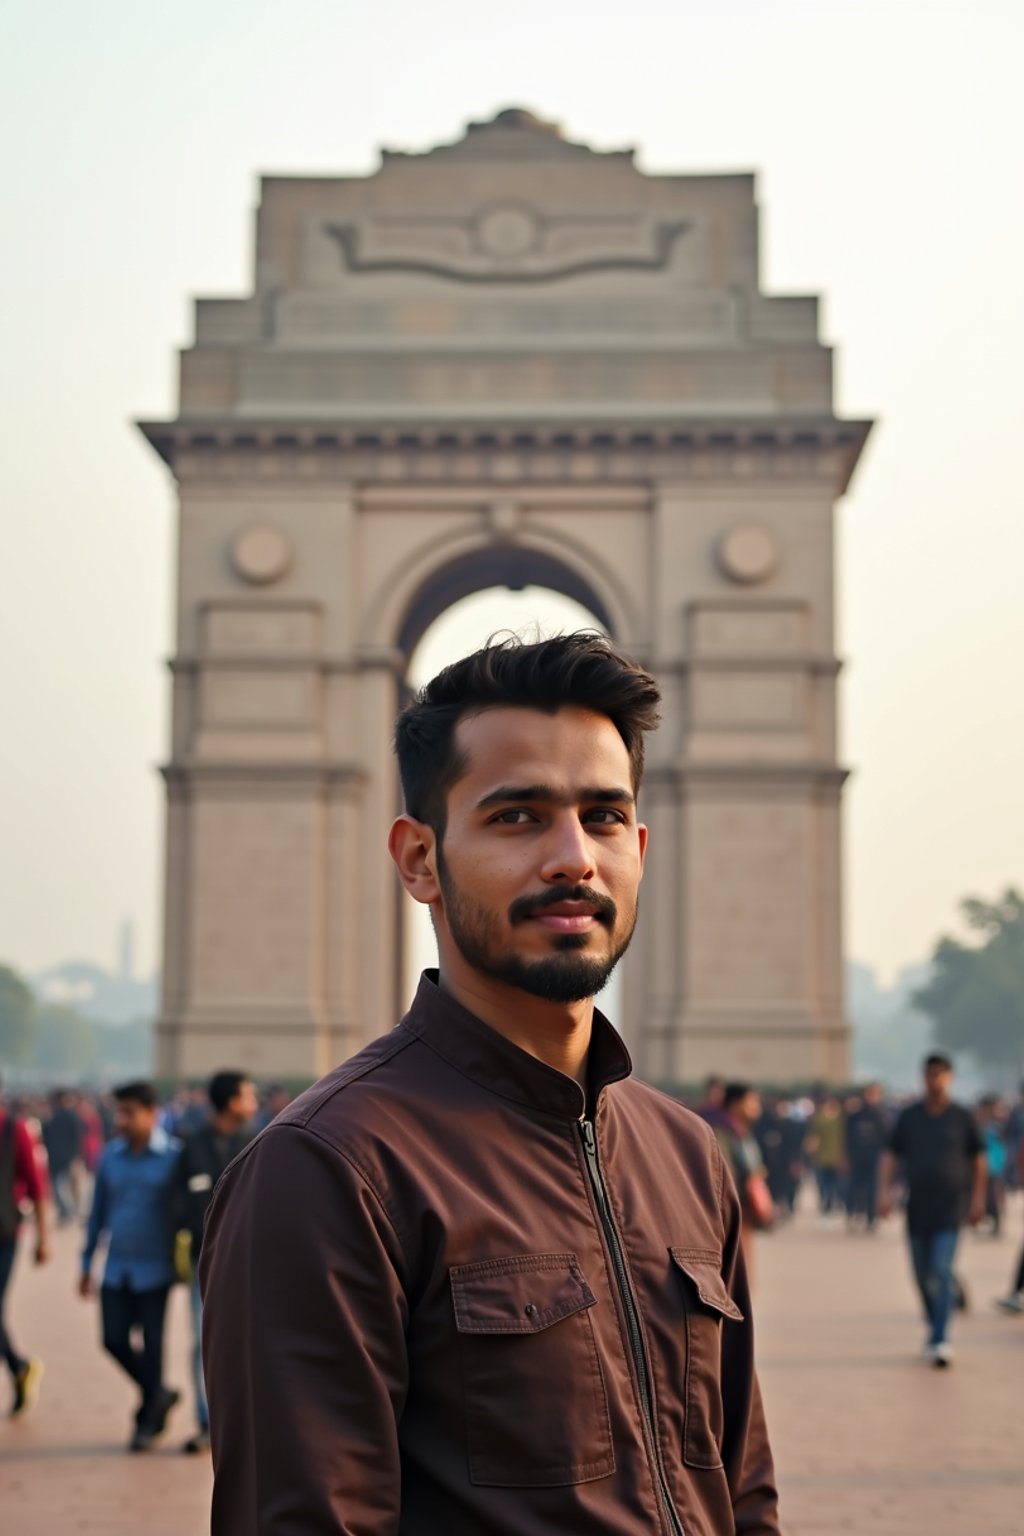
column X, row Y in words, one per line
column 589, row 1139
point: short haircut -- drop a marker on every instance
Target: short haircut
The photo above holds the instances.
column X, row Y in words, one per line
column 223, row 1087
column 938, row 1059
column 581, row 670
column 734, row 1092
column 139, row 1091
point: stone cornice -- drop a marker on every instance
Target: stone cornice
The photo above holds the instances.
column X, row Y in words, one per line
column 595, row 450
column 724, row 775
column 235, row 777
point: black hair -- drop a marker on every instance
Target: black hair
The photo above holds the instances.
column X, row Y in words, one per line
column 223, row 1087
column 734, row 1092
column 139, row 1091
column 937, row 1059
column 583, row 670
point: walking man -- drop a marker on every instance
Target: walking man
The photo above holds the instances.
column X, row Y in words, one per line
column 942, row 1152
column 866, row 1131
column 62, row 1138
column 741, row 1112
column 204, row 1157
column 20, row 1182
column 480, row 1279
column 131, row 1207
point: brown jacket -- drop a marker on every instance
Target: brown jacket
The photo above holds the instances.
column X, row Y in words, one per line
column 440, row 1301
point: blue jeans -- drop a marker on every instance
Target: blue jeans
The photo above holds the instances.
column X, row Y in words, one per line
column 198, row 1381
column 932, row 1254
column 829, row 1194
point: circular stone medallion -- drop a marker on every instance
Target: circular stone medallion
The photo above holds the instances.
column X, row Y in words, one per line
column 748, row 553
column 507, row 232
column 261, row 554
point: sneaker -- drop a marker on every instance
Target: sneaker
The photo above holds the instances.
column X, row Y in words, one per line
column 26, row 1386
column 942, row 1355
column 1012, row 1303
column 142, row 1439
column 167, row 1400
column 199, row 1442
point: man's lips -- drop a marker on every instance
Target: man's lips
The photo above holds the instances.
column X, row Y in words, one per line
column 567, row 917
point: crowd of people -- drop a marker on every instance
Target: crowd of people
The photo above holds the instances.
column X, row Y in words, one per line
column 139, row 1174
column 941, row 1162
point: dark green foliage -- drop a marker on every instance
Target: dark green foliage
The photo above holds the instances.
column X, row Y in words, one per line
column 975, row 995
column 17, row 1019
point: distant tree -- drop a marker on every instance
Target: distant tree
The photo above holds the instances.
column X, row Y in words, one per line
column 17, row 1018
column 975, row 994
column 125, row 1050
column 66, row 1045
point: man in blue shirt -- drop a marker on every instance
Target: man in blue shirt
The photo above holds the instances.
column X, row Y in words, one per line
column 131, row 1205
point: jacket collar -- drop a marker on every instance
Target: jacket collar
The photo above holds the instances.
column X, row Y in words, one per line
column 480, row 1053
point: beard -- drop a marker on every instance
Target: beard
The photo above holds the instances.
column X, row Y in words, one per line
column 567, row 976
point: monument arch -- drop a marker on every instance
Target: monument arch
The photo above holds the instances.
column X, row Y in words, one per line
column 508, row 360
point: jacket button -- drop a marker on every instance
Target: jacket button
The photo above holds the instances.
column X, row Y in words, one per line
column 530, row 1309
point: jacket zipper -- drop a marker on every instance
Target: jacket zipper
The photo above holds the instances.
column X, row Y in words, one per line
column 629, row 1303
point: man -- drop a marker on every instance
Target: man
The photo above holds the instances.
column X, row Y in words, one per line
column 20, row 1182
column 741, row 1111
column 710, row 1107
column 1013, row 1301
column 866, row 1131
column 826, row 1141
column 941, row 1149
column 131, row 1206
column 204, row 1156
column 62, row 1138
column 478, row 1280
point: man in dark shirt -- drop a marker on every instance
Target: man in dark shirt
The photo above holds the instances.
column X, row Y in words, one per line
column 944, row 1160
column 205, row 1155
column 62, row 1137
column 866, row 1131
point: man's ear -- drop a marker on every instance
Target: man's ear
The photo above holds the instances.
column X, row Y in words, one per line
column 642, row 839
column 413, row 847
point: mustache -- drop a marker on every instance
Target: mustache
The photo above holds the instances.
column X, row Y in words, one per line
column 525, row 907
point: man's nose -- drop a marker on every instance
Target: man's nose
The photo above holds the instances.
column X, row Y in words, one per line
column 568, row 856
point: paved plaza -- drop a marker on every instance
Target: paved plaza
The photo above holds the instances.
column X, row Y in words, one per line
column 867, row 1438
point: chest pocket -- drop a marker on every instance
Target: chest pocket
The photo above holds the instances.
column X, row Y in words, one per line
column 709, row 1308
column 535, row 1400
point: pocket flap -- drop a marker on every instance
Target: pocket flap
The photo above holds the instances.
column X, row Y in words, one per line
column 518, row 1295
column 701, row 1268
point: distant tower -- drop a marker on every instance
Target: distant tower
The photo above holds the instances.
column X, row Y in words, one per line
column 126, row 951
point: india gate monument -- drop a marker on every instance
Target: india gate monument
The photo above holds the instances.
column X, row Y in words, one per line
column 512, row 360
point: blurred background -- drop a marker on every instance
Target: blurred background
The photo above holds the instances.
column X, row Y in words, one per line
column 885, row 139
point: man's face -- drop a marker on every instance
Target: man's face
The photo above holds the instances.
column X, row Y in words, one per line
column 134, row 1121
column 244, row 1104
column 542, row 854
column 937, row 1080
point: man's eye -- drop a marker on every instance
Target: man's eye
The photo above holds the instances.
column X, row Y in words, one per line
column 512, row 818
column 604, row 815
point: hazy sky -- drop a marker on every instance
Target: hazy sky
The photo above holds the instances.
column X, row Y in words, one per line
column 887, row 142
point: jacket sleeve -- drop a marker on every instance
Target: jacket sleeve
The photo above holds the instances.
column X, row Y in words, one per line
column 304, row 1349
column 746, row 1452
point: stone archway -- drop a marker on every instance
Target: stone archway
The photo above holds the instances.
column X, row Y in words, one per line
column 510, row 359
